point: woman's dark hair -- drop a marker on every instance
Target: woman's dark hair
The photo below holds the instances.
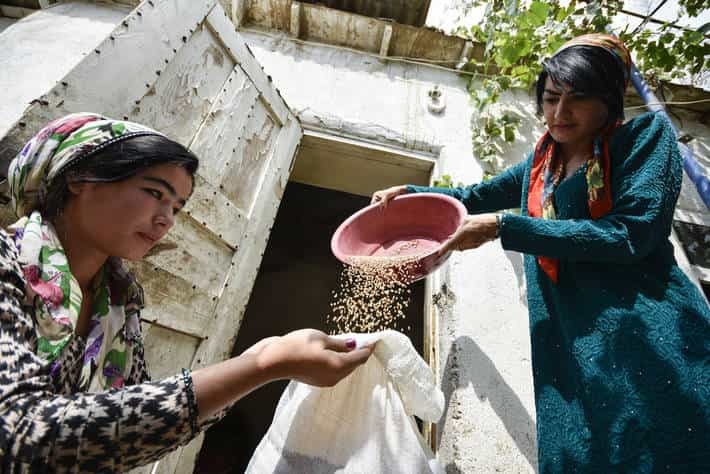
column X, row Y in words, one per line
column 116, row 162
column 589, row 70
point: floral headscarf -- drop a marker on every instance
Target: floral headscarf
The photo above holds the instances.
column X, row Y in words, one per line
column 52, row 290
column 547, row 169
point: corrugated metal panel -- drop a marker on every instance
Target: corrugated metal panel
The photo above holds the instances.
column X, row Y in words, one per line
column 408, row 12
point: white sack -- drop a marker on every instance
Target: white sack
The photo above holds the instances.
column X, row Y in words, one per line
column 362, row 425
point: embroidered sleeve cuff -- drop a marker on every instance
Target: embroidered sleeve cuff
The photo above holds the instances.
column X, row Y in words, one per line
column 191, row 400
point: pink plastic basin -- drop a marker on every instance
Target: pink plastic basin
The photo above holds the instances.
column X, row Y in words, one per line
column 411, row 225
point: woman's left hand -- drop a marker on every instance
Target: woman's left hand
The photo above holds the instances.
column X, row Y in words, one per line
column 475, row 231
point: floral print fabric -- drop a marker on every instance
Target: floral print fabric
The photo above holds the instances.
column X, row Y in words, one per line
column 55, row 296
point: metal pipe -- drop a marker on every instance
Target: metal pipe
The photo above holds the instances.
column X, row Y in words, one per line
column 690, row 164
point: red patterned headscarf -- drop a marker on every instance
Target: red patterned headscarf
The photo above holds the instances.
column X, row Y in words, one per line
column 608, row 42
column 547, row 169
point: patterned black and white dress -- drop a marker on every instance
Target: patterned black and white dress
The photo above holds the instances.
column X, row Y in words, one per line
column 48, row 425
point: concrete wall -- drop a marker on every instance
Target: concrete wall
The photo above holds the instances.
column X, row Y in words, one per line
column 36, row 59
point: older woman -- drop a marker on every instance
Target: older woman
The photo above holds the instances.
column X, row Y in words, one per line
column 75, row 394
column 620, row 336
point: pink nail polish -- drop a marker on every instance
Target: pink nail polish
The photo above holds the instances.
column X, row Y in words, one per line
column 350, row 343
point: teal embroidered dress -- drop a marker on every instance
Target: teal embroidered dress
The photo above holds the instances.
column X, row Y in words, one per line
column 621, row 345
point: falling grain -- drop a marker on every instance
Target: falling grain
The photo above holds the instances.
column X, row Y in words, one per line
column 373, row 294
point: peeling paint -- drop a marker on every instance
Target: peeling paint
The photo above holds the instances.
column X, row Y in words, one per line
column 365, row 130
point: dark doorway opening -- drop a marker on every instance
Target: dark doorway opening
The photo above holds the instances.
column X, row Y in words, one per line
column 292, row 290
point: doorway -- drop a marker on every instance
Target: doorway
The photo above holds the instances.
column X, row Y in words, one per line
column 292, row 291
column 332, row 178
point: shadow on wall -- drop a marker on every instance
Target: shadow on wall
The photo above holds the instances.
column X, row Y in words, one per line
column 481, row 374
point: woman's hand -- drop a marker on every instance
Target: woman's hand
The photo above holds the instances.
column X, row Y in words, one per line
column 475, row 231
column 384, row 196
column 309, row 356
column 306, row 355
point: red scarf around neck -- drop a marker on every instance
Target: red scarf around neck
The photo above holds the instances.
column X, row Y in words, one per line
column 547, row 171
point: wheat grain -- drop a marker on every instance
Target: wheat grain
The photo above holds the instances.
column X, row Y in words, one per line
column 373, row 293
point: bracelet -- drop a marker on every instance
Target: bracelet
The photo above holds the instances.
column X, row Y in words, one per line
column 191, row 402
column 499, row 218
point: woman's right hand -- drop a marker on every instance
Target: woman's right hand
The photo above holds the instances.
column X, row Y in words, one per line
column 306, row 355
column 310, row 356
column 384, row 196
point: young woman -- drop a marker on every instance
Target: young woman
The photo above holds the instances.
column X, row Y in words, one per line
column 75, row 394
column 620, row 336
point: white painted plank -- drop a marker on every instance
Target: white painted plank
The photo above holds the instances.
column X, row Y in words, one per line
column 215, row 141
column 247, row 259
column 173, row 302
column 357, row 172
column 242, row 180
column 183, row 91
column 158, row 31
column 232, row 304
column 167, row 352
column 362, row 168
column 209, row 207
column 370, row 150
column 295, row 19
column 183, row 283
column 386, row 37
column 233, row 42
column 200, row 257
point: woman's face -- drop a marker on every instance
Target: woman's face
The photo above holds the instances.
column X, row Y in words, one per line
column 572, row 118
column 125, row 219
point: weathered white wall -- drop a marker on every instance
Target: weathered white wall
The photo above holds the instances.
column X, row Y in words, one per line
column 484, row 353
column 690, row 204
column 46, row 45
column 690, row 207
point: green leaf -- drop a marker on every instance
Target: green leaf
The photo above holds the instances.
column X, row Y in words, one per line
column 694, row 37
column 518, row 38
column 538, row 12
column 509, row 134
column 444, row 181
column 520, row 71
column 513, row 50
